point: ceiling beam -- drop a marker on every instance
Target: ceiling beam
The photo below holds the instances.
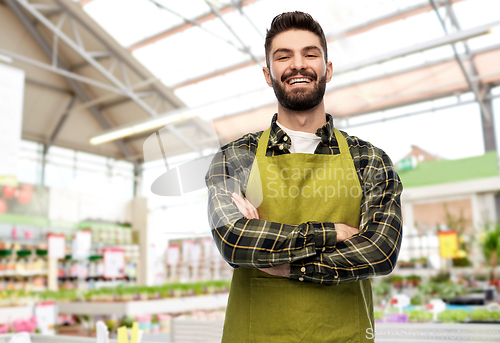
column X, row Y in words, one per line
column 235, row 35
column 431, row 44
column 187, row 20
column 412, row 68
column 351, row 31
column 118, row 51
column 472, row 84
column 59, row 126
column 47, row 86
column 409, row 114
column 384, row 20
column 384, row 76
column 216, row 73
column 470, row 56
column 61, row 71
column 179, row 28
column 448, row 39
column 75, row 86
column 59, row 34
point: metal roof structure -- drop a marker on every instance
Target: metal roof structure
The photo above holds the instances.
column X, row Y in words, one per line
column 94, row 66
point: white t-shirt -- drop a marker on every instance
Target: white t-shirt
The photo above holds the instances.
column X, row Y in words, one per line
column 302, row 142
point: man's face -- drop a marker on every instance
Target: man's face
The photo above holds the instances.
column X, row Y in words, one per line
column 298, row 72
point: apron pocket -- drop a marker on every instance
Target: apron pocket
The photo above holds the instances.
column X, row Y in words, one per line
column 288, row 311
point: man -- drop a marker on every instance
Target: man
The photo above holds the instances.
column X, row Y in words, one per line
column 303, row 212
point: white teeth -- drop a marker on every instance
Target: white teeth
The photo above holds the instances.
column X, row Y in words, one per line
column 302, row 79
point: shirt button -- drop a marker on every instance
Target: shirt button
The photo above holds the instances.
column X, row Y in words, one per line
column 303, row 269
column 281, row 146
column 301, row 279
column 285, row 138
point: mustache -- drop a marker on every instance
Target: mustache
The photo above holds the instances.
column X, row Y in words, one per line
column 312, row 75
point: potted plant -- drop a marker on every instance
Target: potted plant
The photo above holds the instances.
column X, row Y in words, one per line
column 396, row 281
column 453, row 316
column 491, row 249
column 413, row 280
column 419, row 316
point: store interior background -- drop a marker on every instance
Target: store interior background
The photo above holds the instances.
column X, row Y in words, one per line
column 190, row 72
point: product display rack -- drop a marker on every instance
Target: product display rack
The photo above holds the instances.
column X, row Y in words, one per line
column 7, row 314
column 72, row 274
column 172, row 305
column 23, row 270
column 18, row 233
column 56, row 339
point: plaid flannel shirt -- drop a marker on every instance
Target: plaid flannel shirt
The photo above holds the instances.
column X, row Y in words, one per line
column 311, row 248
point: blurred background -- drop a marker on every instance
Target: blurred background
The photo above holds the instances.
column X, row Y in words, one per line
column 101, row 98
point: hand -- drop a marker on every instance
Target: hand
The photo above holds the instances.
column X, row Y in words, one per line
column 282, row 270
column 345, row 231
column 245, row 207
column 249, row 211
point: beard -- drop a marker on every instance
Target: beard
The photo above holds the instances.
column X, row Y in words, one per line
column 299, row 99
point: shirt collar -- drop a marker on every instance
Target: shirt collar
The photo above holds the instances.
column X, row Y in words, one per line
column 326, row 132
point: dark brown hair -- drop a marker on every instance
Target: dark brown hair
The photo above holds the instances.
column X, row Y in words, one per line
column 294, row 21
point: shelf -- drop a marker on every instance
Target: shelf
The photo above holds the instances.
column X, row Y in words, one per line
column 23, row 275
column 422, row 272
column 35, row 338
column 435, row 332
column 171, row 305
column 8, row 314
column 196, row 330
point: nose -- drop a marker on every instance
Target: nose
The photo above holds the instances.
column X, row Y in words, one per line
column 298, row 63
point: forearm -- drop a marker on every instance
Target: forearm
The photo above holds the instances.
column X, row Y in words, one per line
column 260, row 244
column 373, row 252
column 254, row 242
column 365, row 255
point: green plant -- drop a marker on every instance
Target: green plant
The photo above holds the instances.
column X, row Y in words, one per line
column 459, row 224
column 453, row 316
column 448, row 290
column 441, row 277
column 480, row 315
column 396, row 281
column 428, row 288
column 380, row 292
column 128, row 321
column 485, row 315
column 378, row 315
column 491, row 249
column 112, row 324
column 380, row 289
column 413, row 280
column 417, row 300
column 419, row 316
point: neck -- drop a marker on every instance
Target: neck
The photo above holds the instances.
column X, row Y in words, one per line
column 306, row 121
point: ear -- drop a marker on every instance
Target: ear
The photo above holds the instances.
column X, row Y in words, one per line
column 267, row 76
column 329, row 71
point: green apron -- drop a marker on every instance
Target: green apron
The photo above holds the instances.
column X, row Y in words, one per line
column 293, row 189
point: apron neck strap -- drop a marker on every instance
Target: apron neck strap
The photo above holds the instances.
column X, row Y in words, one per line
column 344, row 149
column 264, row 139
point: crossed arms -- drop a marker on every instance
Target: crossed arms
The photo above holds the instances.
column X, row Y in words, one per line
column 327, row 253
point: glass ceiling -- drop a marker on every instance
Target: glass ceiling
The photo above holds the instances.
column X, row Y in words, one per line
column 237, row 37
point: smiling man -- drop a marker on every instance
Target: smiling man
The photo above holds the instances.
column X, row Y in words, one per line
column 305, row 213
